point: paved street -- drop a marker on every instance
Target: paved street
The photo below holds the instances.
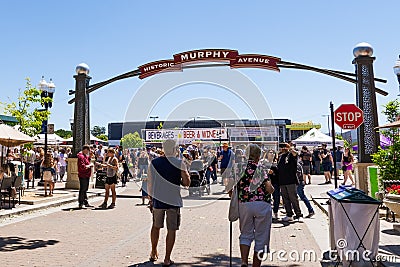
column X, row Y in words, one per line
column 64, row 236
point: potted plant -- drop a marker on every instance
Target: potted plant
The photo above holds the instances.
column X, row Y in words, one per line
column 388, row 159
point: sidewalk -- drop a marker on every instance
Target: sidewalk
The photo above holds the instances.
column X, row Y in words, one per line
column 33, row 199
column 119, row 237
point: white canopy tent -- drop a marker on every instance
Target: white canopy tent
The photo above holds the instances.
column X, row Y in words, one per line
column 52, row 139
column 92, row 139
column 315, row 137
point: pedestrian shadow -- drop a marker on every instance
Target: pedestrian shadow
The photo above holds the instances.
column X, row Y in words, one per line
column 391, row 232
column 216, row 259
column 73, row 209
column 12, row 243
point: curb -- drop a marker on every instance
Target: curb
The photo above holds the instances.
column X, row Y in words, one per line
column 319, row 205
column 46, row 205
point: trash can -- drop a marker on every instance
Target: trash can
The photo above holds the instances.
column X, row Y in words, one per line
column 355, row 226
column 100, row 179
column 373, row 180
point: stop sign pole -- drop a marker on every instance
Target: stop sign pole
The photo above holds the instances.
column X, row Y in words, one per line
column 335, row 171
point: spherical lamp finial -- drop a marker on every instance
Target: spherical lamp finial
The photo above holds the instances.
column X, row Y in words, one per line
column 82, row 68
column 363, row 49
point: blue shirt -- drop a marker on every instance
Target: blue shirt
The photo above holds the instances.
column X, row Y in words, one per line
column 227, row 157
column 166, row 181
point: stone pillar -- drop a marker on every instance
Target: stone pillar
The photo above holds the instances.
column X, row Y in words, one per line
column 81, row 131
column 81, row 128
column 368, row 137
column 72, row 175
column 361, row 176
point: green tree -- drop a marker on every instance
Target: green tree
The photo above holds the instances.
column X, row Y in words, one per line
column 132, row 140
column 26, row 111
column 388, row 159
column 103, row 137
column 98, row 130
column 63, row 133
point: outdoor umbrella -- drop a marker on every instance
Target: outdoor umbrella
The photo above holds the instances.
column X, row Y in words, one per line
column 11, row 137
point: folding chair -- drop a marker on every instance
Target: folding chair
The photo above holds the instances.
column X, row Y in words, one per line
column 18, row 185
column 5, row 189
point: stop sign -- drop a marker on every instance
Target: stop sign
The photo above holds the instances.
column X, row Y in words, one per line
column 349, row 116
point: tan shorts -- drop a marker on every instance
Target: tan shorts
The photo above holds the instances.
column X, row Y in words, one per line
column 173, row 218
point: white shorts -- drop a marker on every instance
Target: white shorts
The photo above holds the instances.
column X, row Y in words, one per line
column 255, row 219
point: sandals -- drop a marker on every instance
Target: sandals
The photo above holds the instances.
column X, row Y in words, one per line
column 153, row 258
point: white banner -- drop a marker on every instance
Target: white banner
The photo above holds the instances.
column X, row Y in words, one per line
column 186, row 135
column 271, row 131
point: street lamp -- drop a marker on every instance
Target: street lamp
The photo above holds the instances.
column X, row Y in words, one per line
column 329, row 128
column 47, row 93
column 154, row 120
column 396, row 70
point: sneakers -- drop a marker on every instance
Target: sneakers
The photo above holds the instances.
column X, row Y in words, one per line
column 103, row 206
column 112, row 205
column 299, row 219
column 287, row 219
column 87, row 205
column 275, row 216
column 310, row 214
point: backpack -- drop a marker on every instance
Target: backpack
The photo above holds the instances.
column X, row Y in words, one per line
column 299, row 172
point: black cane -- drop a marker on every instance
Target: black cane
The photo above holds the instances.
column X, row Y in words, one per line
column 230, row 244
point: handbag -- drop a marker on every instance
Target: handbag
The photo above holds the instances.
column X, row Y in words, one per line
column 344, row 168
column 47, row 176
column 233, row 214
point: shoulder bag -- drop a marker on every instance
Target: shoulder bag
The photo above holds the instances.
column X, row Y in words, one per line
column 233, row 214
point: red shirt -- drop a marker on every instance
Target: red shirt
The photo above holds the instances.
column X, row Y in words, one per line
column 83, row 161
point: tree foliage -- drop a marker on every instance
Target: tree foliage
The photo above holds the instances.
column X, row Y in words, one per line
column 132, row 140
column 103, row 137
column 98, row 130
column 63, row 133
column 388, row 159
column 26, row 111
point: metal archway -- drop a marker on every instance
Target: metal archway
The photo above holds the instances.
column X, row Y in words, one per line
column 363, row 78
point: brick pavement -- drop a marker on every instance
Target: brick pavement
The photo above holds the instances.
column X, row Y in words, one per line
column 120, row 237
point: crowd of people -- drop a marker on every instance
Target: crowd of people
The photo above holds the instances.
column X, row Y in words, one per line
column 263, row 179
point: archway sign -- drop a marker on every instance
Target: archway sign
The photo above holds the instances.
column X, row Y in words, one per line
column 363, row 77
column 209, row 55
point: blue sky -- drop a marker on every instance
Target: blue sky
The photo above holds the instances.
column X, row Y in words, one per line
column 51, row 37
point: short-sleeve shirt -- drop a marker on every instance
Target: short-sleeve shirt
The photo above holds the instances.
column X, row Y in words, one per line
column 327, row 159
column 251, row 186
column 305, row 158
column 227, row 157
column 166, row 180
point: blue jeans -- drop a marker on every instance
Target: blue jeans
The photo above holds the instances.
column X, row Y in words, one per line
column 300, row 192
column 276, row 195
column 208, row 175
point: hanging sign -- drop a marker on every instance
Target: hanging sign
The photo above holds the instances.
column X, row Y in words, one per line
column 255, row 61
column 209, row 55
column 186, row 135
